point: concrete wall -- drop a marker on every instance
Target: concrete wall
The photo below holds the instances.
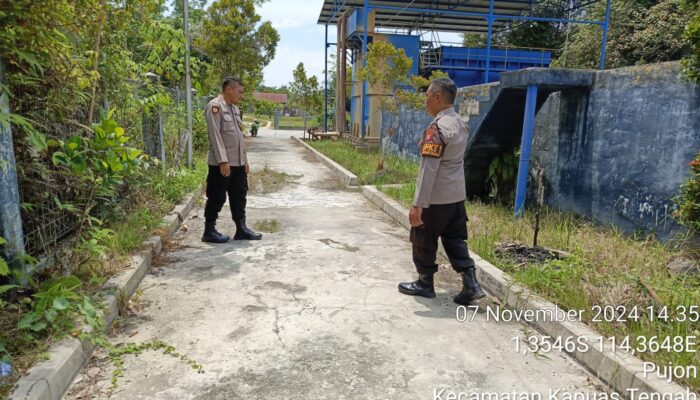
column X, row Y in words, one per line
column 402, row 131
column 620, row 154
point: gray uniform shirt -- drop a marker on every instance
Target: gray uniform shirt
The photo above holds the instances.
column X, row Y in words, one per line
column 226, row 143
column 441, row 179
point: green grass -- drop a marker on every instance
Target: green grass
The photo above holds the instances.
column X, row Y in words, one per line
column 125, row 226
column 296, row 122
column 365, row 163
column 149, row 202
column 261, row 118
column 267, row 225
column 606, row 268
column 267, row 180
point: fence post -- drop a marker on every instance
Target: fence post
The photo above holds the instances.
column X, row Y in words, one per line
column 10, row 216
column 188, row 84
column 161, row 139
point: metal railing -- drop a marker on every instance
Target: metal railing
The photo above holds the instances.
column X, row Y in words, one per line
column 435, row 57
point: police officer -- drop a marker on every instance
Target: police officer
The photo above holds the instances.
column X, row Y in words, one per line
column 438, row 207
column 228, row 163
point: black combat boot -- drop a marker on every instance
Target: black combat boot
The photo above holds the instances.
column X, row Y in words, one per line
column 243, row 233
column 423, row 287
column 471, row 290
column 211, row 235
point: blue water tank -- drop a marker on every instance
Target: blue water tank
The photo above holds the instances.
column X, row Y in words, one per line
column 467, row 65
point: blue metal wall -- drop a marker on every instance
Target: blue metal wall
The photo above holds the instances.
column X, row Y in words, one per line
column 467, row 65
column 411, row 45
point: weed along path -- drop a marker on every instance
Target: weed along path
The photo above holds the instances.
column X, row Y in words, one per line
column 312, row 311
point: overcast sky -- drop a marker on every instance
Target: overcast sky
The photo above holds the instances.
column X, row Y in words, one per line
column 301, row 39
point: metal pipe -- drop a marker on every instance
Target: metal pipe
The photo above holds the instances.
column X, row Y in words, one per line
column 605, row 35
column 488, row 42
column 10, row 215
column 495, row 16
column 342, row 75
column 188, row 84
column 325, row 91
column 364, row 115
column 525, row 149
column 161, row 138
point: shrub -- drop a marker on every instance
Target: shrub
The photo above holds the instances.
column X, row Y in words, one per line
column 688, row 201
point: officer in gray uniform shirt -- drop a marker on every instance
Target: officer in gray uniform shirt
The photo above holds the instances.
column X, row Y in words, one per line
column 438, row 207
column 228, row 163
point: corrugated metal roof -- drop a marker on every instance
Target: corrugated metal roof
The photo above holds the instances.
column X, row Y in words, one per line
column 411, row 17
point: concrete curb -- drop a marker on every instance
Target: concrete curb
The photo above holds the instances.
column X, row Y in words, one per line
column 48, row 380
column 621, row 371
column 345, row 176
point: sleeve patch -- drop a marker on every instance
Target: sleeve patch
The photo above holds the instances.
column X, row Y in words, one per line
column 435, row 150
column 430, row 134
column 432, row 144
column 215, row 109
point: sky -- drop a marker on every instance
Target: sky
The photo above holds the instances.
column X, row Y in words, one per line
column 301, row 39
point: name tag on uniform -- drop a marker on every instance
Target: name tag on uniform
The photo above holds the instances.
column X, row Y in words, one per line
column 432, row 150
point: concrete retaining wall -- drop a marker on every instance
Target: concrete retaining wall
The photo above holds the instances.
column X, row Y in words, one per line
column 617, row 155
column 620, row 154
column 402, row 131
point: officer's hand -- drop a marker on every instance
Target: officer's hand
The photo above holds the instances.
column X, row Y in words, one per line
column 415, row 216
column 225, row 169
column 247, row 168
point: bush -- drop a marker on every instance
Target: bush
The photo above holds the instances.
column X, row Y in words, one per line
column 688, row 202
column 692, row 35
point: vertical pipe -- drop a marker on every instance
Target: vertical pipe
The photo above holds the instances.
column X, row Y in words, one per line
column 188, row 84
column 525, row 148
column 161, row 139
column 605, row 35
column 341, row 71
column 325, row 91
column 10, row 216
column 364, row 116
column 488, row 42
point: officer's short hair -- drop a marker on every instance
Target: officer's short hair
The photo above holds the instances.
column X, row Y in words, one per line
column 230, row 81
column 447, row 87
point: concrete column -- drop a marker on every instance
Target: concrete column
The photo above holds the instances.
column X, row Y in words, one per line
column 525, row 149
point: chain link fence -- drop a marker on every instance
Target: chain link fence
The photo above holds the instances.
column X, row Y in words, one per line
column 159, row 131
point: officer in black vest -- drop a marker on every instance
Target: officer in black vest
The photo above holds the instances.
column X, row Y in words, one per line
column 228, row 163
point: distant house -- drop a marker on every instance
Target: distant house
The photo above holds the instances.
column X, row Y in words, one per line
column 279, row 98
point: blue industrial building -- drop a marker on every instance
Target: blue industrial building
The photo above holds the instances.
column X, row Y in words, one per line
column 402, row 23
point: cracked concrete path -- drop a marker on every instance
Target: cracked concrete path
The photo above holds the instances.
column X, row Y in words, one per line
column 313, row 312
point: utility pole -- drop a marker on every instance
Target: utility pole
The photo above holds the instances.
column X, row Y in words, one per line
column 188, row 84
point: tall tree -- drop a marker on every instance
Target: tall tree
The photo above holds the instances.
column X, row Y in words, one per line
column 305, row 92
column 641, row 31
column 692, row 35
column 235, row 40
column 474, row 40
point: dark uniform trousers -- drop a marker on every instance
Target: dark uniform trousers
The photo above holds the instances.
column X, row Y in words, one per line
column 448, row 222
column 235, row 185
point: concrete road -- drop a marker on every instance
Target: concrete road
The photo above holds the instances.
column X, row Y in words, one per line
column 313, row 312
